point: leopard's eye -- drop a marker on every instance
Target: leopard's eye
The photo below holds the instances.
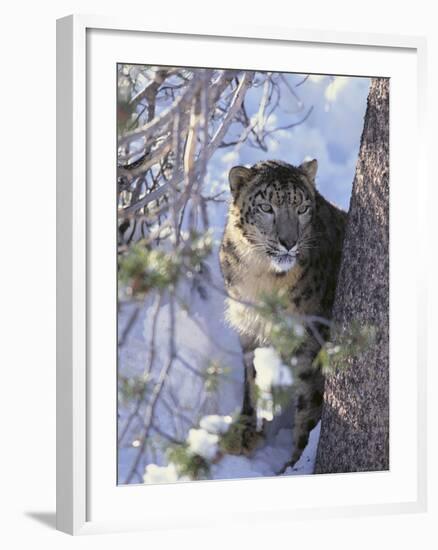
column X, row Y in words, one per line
column 303, row 209
column 265, row 207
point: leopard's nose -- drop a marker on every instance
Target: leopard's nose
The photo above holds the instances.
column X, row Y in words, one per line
column 288, row 243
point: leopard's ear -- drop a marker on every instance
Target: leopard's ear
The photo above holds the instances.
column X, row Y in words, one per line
column 309, row 168
column 238, row 176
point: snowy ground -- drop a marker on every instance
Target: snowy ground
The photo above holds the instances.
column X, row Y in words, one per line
column 270, row 458
column 201, row 338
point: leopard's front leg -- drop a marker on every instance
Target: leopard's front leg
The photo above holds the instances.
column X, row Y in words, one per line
column 308, row 397
column 243, row 437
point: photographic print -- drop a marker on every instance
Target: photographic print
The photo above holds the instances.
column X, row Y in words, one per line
column 253, row 273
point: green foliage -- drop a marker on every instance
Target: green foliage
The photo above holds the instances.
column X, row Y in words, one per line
column 286, row 333
column 196, row 249
column 143, row 268
column 281, row 397
column 241, row 437
column 187, row 463
column 273, row 303
column 131, row 387
column 212, row 376
column 349, row 344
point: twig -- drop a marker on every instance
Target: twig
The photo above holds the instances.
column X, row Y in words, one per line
column 148, row 369
column 167, row 436
column 129, row 325
column 159, row 77
column 293, row 124
column 302, row 81
column 234, row 107
column 149, row 415
column 165, row 117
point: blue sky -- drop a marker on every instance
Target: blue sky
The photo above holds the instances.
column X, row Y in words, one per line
column 331, row 133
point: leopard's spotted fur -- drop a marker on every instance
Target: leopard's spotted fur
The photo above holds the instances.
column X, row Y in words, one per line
column 281, row 234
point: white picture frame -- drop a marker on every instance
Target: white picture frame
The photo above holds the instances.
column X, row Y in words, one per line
column 76, row 214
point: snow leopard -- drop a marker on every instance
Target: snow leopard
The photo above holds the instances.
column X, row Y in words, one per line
column 280, row 234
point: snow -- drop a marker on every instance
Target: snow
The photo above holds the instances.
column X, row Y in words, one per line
column 270, row 371
column 214, row 415
column 270, row 458
column 201, row 339
column 216, row 424
column 306, row 463
column 162, row 474
column 203, row 443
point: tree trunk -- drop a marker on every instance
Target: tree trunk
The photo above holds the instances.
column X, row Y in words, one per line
column 355, row 419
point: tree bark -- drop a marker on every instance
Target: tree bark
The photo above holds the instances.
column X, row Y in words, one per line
column 355, row 419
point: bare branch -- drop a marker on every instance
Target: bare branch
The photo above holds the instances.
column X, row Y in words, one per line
column 164, row 119
column 302, row 81
column 159, row 77
column 234, row 107
column 149, row 417
column 293, row 124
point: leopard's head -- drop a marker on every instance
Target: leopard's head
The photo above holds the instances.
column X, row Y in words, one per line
column 274, row 204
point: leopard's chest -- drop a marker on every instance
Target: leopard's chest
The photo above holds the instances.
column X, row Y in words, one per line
column 247, row 293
